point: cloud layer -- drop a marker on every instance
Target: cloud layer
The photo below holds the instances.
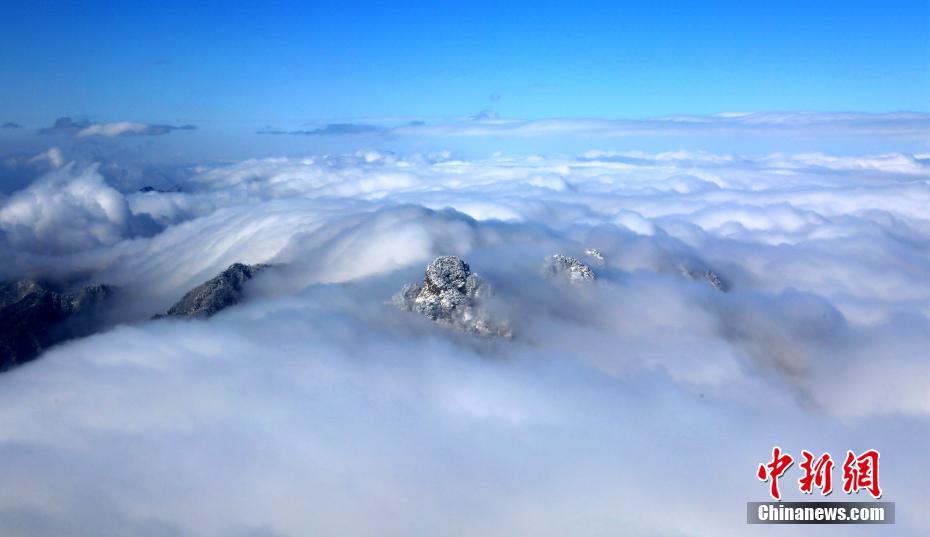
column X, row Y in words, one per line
column 639, row 404
column 487, row 123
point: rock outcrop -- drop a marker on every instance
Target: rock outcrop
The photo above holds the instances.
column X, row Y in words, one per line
column 564, row 266
column 34, row 317
column 714, row 280
column 596, row 256
column 707, row 275
column 216, row 294
column 452, row 295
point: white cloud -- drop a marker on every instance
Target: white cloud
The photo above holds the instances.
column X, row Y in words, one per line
column 110, row 130
column 66, row 211
column 52, row 156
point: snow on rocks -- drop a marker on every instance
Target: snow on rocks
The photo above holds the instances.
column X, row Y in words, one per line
column 452, row 295
column 564, row 266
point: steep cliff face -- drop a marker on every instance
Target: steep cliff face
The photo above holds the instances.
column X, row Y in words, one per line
column 215, row 294
column 452, row 295
column 34, row 317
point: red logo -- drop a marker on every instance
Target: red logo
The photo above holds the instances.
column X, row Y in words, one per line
column 859, row 473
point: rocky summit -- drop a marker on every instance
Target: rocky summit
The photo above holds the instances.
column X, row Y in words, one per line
column 564, row 266
column 450, row 294
column 33, row 317
column 216, row 294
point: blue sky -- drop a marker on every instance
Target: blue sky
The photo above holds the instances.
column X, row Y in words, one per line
column 211, row 63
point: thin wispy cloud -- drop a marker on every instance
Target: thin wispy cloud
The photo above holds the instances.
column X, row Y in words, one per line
column 857, row 124
column 332, row 129
column 86, row 128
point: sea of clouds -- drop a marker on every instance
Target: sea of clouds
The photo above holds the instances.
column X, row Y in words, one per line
column 638, row 405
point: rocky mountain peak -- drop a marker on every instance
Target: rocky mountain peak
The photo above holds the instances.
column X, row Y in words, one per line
column 452, row 295
column 215, row 294
column 446, row 274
